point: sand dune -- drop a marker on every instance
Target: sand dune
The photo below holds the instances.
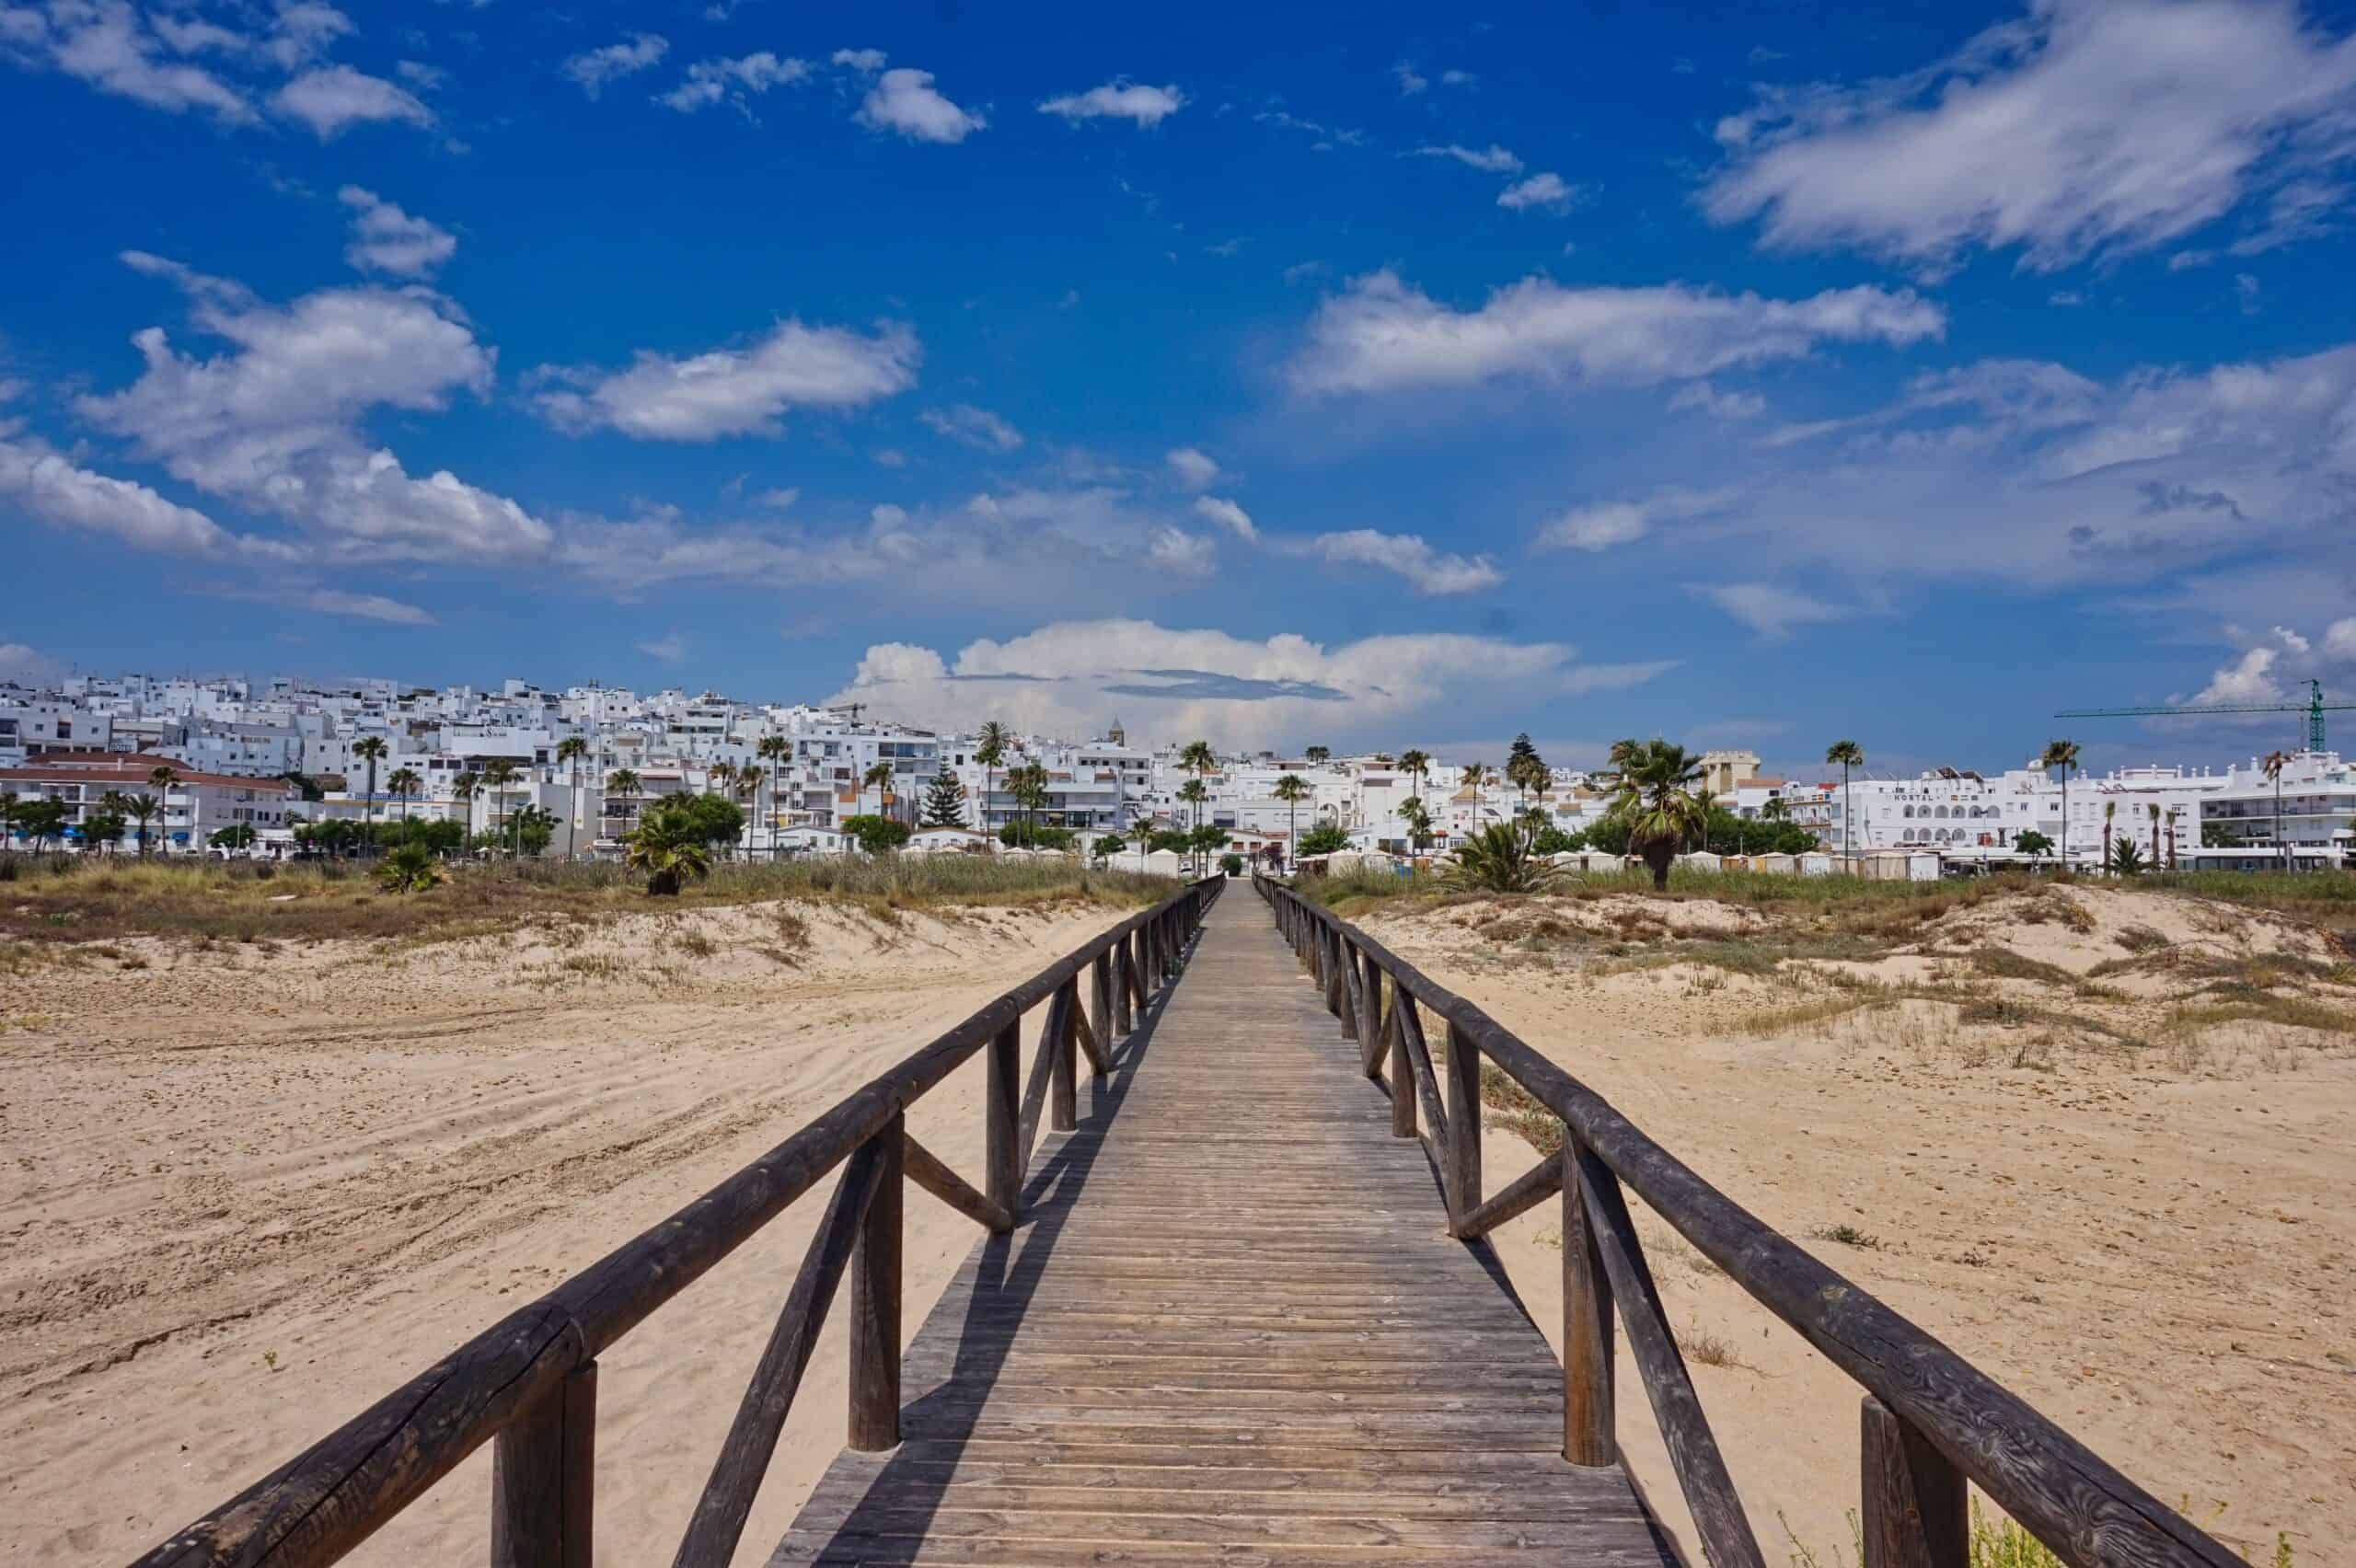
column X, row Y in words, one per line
column 249, row 1192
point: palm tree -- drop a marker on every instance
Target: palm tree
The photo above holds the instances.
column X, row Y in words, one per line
column 995, row 738
column 2273, row 764
column 1194, row 793
column 2063, row 754
column 1292, row 789
column 1651, row 797
column 1415, row 764
column 878, row 777
column 2109, row 809
column 7, row 815
column 1849, row 754
column 465, row 785
column 622, row 781
column 161, row 779
column 1707, row 799
column 2154, row 807
column 569, row 752
column 2174, row 813
column 773, row 750
column 141, row 808
column 369, row 749
column 669, row 847
column 497, row 775
column 1777, row 809
column 1317, row 755
column 403, row 785
column 722, row 777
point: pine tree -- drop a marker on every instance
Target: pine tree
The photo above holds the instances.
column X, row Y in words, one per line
column 944, row 801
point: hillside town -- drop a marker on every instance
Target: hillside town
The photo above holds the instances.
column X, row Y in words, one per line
column 229, row 766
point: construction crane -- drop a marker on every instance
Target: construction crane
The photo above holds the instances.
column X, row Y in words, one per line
column 2314, row 708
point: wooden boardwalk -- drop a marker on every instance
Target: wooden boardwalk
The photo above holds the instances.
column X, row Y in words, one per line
column 1230, row 1328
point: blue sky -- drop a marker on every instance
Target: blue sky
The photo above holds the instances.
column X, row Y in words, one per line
column 1353, row 374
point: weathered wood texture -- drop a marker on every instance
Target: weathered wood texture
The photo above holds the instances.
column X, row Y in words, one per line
column 2067, row 1495
column 543, row 1480
column 1229, row 1327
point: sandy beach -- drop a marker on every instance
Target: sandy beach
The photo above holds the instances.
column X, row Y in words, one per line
column 249, row 1192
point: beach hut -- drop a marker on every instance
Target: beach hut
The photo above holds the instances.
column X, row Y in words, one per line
column 1702, row 860
column 1775, row 865
column 1598, row 863
column 1920, row 867
column 1816, row 863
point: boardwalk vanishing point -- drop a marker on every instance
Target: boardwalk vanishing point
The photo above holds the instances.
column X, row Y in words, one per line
column 1230, row 1306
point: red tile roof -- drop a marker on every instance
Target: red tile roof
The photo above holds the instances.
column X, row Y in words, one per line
column 126, row 767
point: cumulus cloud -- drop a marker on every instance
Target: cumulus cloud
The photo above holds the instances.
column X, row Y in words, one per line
column 61, row 492
column 333, row 98
column 1193, row 468
column 735, row 81
column 976, row 428
column 1146, row 105
column 106, row 44
column 1765, row 608
column 363, row 607
column 1491, row 159
column 273, row 423
column 670, row 648
column 1176, row 550
column 1380, row 334
column 593, row 69
column 737, row 391
column 1071, row 677
column 1539, row 191
column 1425, row 569
column 29, row 666
column 386, row 239
column 905, row 102
column 2085, row 127
column 868, row 61
column 1227, row 515
column 1605, row 524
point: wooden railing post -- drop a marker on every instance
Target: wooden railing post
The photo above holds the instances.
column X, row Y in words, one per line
column 1346, row 970
column 1002, row 1108
column 1063, row 1084
column 1590, row 1422
column 1120, row 971
column 875, row 1306
column 1463, row 1182
column 1916, row 1512
column 543, row 1479
column 1403, row 1071
column 1370, row 1015
column 1099, row 1002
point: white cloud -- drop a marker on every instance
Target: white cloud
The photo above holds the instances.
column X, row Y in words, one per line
column 61, row 492
column 2246, row 292
column 386, row 239
column 364, row 606
column 1382, row 335
column 1147, row 106
column 592, row 70
column 1454, row 78
column 1176, row 550
column 2340, row 640
column 105, row 45
column 333, row 98
column 1719, row 405
column 1601, row 525
column 1767, row 609
column 2086, row 126
column 1491, row 159
column 903, row 100
column 1539, row 191
column 1227, row 515
column 869, row 61
column 734, row 81
column 1410, row 83
column 670, row 646
column 1427, row 570
column 274, row 423
column 737, row 391
column 29, row 666
column 2248, row 679
column 976, row 428
column 1195, row 468
column 1071, row 677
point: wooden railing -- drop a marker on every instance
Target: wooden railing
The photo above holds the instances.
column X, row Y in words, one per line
column 528, row 1384
column 1930, row 1421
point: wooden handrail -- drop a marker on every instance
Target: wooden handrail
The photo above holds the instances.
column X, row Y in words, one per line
column 2057, row 1488
column 334, row 1495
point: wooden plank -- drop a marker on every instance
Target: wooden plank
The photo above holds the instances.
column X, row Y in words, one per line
column 875, row 1304
column 925, row 1169
column 736, row 1475
column 1525, row 1192
column 1003, row 1156
column 1035, row 1089
column 1463, row 1140
column 1702, row 1475
column 1916, row 1513
column 1591, row 1430
column 543, row 1480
